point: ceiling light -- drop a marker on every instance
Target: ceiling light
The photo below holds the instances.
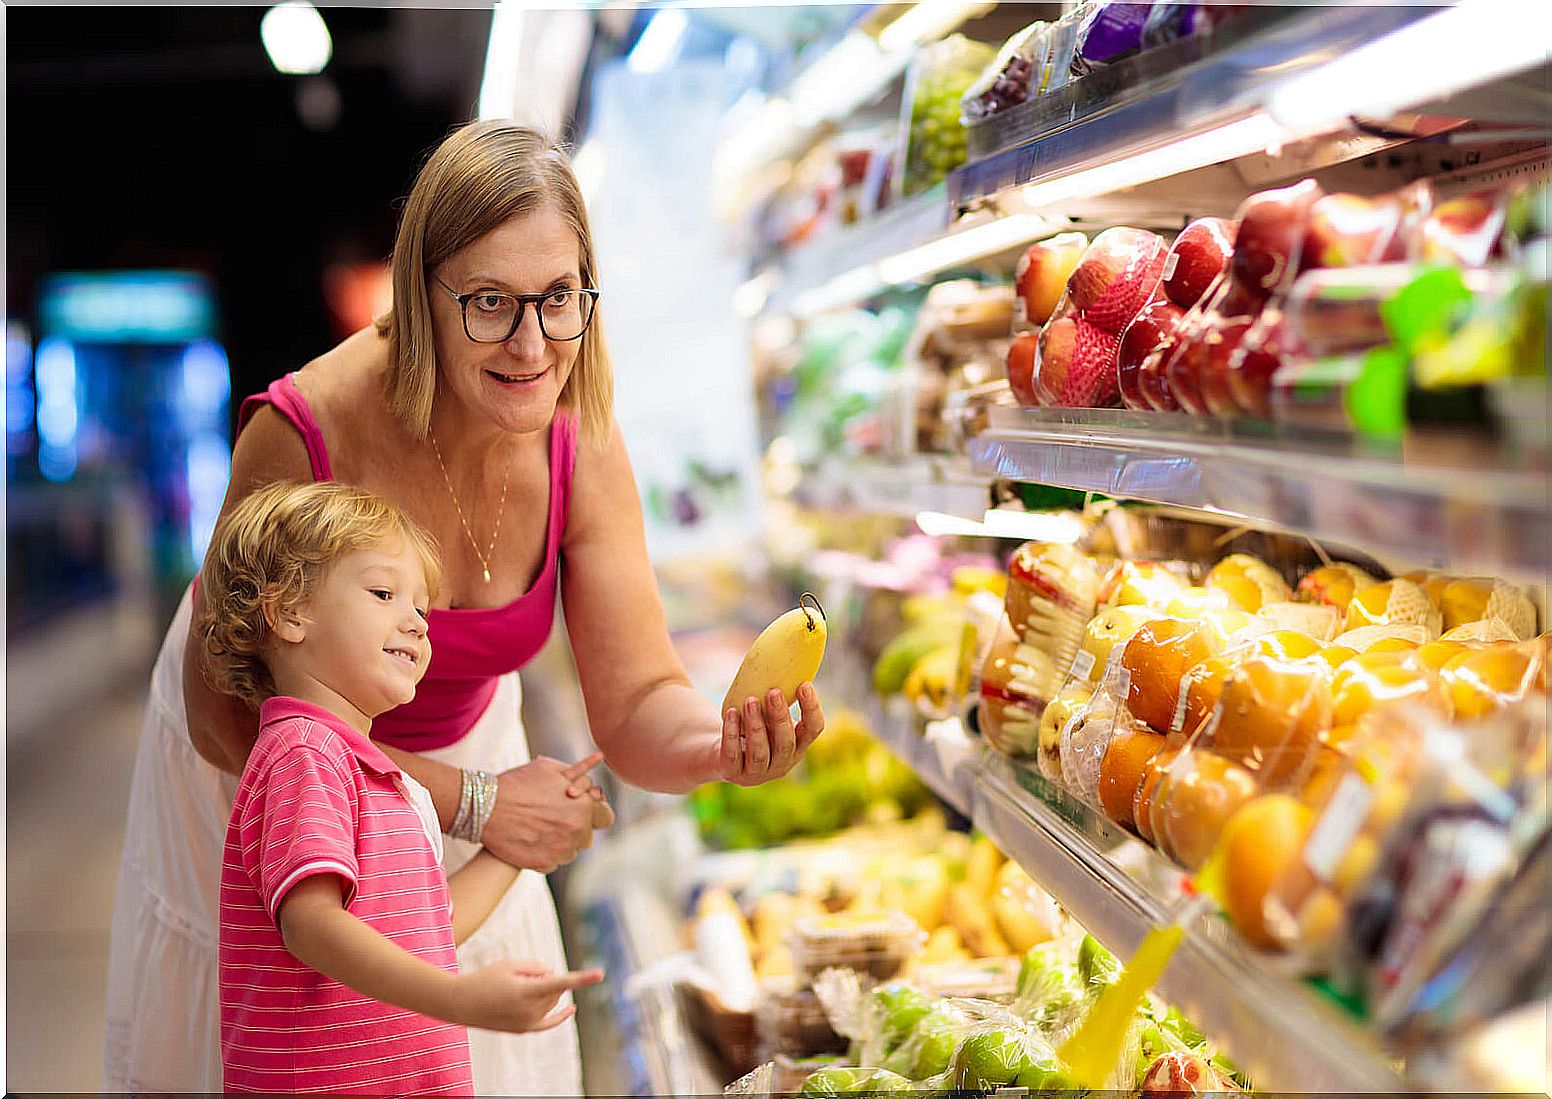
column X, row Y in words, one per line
column 1256, row 133
column 296, row 38
column 659, row 44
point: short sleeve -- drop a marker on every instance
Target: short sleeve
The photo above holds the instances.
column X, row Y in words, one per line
column 299, row 821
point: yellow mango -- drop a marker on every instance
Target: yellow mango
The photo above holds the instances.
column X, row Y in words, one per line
column 787, row 653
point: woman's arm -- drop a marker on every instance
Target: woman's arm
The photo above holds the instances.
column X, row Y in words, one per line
column 222, row 728
column 510, row 996
column 656, row 730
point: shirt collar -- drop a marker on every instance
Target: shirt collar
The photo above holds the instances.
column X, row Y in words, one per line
column 371, row 757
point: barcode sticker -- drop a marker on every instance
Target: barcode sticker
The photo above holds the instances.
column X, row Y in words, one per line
column 1333, row 833
column 1171, row 261
column 1082, row 664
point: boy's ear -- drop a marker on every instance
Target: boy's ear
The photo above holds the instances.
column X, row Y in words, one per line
column 286, row 623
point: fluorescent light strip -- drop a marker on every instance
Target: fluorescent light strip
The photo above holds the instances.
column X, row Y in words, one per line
column 1254, row 134
column 1463, row 46
column 962, row 247
column 926, row 22
column 1059, row 527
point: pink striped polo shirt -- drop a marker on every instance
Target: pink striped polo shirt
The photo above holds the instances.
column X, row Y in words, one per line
column 317, row 797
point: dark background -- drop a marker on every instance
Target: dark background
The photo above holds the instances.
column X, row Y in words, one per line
column 151, row 137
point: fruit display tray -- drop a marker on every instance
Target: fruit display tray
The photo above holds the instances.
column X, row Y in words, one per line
column 1117, row 888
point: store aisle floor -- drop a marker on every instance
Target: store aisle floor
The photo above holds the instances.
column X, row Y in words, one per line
column 67, row 788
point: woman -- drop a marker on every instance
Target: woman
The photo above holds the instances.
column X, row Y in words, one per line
column 481, row 405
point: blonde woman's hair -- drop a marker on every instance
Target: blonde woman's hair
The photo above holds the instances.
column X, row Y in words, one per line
column 271, row 550
column 481, row 176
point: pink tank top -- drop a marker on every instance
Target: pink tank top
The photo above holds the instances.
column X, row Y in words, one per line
column 471, row 648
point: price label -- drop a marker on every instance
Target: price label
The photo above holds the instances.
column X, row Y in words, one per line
column 1082, row 664
column 1333, row 833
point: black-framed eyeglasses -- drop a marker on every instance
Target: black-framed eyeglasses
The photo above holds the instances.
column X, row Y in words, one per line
column 490, row 316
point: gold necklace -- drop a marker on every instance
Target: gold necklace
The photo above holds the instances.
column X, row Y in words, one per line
column 500, row 510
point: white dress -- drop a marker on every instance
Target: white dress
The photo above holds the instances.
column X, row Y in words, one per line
column 163, row 1025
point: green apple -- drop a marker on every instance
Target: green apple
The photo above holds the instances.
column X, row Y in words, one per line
column 1038, row 962
column 1096, row 964
column 902, row 1006
column 990, row 1059
column 830, row 1083
column 937, row 1036
column 1182, row 1028
column 1045, row 1075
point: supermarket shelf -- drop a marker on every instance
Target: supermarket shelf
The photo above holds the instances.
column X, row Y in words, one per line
column 1117, row 888
column 856, row 248
column 655, row 1050
column 1496, row 521
column 903, row 487
column 1219, row 88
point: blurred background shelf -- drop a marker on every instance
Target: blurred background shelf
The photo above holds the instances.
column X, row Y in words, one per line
column 942, row 753
column 1118, row 889
column 1492, row 520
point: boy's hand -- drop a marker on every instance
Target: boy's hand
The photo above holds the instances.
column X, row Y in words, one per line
column 517, row 996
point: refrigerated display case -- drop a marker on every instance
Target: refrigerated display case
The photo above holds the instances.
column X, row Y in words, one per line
column 1366, row 101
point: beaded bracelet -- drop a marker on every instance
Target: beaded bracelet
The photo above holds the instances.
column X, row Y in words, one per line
column 476, row 803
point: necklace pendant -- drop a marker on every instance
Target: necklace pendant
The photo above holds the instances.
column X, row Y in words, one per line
column 487, row 576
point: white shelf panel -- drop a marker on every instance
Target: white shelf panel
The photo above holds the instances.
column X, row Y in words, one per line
column 1495, row 521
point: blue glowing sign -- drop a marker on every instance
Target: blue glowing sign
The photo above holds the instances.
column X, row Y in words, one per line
column 127, row 306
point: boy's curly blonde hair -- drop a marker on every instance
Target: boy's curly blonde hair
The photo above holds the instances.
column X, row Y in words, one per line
column 273, row 548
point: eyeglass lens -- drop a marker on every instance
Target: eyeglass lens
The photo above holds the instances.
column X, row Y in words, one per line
column 493, row 318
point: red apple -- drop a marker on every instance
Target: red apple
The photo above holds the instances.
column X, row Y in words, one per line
column 1021, row 368
column 1198, row 256
column 1256, row 360
column 1348, row 230
column 1042, row 274
column 1152, row 383
column 1219, row 345
column 1077, row 365
column 1152, row 330
column 1109, row 279
column 1271, row 228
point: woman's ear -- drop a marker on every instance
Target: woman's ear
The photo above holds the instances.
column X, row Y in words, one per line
column 286, row 623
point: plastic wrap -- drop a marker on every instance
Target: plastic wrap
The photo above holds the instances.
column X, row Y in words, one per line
column 1110, row 31
column 791, row 1021
column 1408, row 848
column 845, row 1080
column 1018, row 72
column 876, row 944
column 1040, row 277
column 1117, row 275
column 1266, row 256
column 1333, row 585
column 936, row 142
column 1142, row 583
column 1052, row 591
column 1017, row 681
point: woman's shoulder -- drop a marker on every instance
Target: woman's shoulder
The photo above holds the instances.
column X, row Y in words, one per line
column 344, row 390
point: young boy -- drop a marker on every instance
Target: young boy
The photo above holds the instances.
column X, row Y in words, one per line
column 338, row 970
